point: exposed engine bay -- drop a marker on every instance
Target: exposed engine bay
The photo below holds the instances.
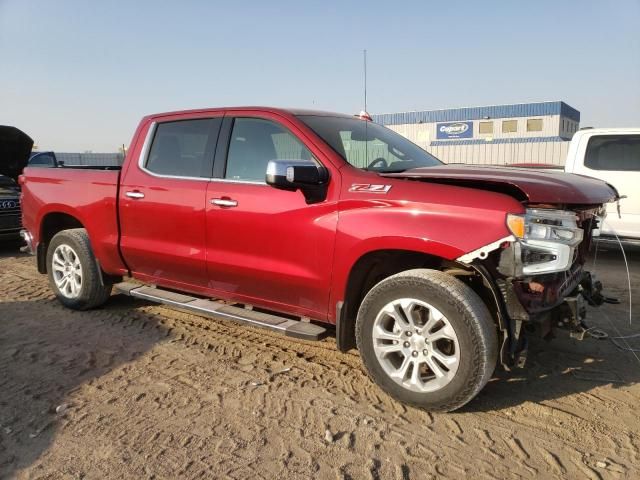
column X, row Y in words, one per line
column 541, row 276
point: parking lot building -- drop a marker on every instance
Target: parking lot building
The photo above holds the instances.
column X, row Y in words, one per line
column 492, row 135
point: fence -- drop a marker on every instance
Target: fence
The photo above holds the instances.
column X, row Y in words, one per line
column 90, row 159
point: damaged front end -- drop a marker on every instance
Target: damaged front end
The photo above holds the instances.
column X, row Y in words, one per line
column 540, row 275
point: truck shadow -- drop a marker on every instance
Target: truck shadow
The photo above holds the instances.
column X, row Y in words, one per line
column 566, row 366
column 11, row 248
column 559, row 369
column 46, row 353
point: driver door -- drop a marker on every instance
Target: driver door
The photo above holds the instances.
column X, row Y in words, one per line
column 267, row 246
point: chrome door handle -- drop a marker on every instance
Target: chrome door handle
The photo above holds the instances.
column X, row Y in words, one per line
column 224, row 202
column 135, row 194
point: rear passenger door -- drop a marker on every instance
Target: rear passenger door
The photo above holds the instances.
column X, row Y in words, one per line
column 163, row 200
column 266, row 246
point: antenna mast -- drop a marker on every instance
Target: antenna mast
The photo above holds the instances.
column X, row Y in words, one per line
column 365, row 79
column 366, row 122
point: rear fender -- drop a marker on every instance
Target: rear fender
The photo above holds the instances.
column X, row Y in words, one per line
column 103, row 239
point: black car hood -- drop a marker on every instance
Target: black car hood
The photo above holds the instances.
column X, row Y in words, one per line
column 8, row 192
column 15, row 149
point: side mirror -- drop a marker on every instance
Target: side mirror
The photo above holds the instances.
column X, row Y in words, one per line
column 304, row 175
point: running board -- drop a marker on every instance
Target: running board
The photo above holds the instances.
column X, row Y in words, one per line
column 208, row 308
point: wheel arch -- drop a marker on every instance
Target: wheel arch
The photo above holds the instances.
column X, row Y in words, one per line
column 52, row 223
column 374, row 266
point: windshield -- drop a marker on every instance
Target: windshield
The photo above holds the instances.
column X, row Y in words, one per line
column 368, row 145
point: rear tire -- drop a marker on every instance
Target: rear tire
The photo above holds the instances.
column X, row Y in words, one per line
column 74, row 275
column 427, row 339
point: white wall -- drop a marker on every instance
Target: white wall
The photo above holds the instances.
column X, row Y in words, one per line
column 550, row 127
column 488, row 153
column 418, row 133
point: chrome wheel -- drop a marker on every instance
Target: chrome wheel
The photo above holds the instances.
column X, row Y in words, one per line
column 67, row 271
column 416, row 345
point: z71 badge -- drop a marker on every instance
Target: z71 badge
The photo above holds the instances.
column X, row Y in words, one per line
column 369, row 188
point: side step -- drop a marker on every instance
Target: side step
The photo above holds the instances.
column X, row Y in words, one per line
column 208, row 308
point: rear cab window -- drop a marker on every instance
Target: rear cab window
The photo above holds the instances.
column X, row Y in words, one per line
column 613, row 153
column 183, row 148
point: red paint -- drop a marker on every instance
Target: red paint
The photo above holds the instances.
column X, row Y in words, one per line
column 538, row 187
column 274, row 250
column 163, row 234
column 86, row 195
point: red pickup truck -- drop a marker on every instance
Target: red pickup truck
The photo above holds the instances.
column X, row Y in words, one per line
column 309, row 222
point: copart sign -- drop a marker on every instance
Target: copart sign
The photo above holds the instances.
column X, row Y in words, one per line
column 455, row 130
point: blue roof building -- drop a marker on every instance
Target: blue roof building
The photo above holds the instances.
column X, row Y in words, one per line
column 496, row 134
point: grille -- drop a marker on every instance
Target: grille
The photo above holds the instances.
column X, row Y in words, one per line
column 9, row 211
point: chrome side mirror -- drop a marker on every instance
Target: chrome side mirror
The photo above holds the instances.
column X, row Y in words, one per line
column 304, row 175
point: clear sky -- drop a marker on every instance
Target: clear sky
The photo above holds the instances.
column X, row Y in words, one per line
column 78, row 75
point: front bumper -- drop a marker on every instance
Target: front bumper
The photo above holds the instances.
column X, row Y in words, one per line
column 534, row 303
column 525, row 295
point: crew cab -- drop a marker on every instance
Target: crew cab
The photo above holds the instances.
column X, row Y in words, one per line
column 310, row 223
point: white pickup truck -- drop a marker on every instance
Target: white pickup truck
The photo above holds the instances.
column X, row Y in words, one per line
column 612, row 155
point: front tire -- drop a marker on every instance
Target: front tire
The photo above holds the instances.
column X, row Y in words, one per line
column 74, row 275
column 427, row 339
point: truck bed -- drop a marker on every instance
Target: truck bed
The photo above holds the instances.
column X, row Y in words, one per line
column 88, row 194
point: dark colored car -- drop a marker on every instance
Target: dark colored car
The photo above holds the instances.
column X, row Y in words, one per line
column 44, row 159
column 10, row 216
column 15, row 148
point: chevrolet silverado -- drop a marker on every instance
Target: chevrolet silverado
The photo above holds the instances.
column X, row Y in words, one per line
column 308, row 222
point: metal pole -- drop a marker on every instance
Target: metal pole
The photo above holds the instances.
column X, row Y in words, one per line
column 366, row 133
column 365, row 80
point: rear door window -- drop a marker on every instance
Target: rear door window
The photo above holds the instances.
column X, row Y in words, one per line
column 184, row 148
column 613, row 153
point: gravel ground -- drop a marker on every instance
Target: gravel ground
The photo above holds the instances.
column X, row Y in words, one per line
column 135, row 390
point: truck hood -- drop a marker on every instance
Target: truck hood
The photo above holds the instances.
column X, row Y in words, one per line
column 525, row 185
column 15, row 149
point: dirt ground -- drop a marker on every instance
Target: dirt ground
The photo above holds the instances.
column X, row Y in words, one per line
column 135, row 390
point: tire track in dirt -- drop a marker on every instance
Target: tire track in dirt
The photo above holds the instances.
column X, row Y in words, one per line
column 187, row 406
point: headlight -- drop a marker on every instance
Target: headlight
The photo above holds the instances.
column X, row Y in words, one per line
column 546, row 240
column 552, row 225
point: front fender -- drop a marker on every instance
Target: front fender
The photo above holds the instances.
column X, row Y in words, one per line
column 444, row 231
